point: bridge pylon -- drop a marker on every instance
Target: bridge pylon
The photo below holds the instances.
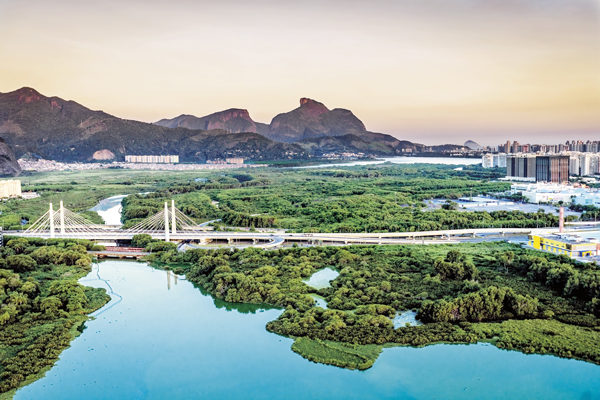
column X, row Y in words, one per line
column 166, row 213
column 51, row 219
column 167, row 222
column 61, row 223
column 173, row 217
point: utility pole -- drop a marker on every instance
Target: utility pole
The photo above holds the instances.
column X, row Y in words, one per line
column 166, row 222
column 51, row 216
column 62, row 218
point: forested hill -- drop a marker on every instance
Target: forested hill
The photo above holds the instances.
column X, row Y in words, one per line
column 53, row 128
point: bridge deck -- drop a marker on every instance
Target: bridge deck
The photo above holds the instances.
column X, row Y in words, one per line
column 265, row 239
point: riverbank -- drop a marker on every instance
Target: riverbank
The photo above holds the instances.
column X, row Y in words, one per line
column 375, row 282
column 199, row 344
column 42, row 307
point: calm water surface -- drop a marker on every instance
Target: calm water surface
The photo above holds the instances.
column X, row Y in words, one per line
column 162, row 338
column 403, row 160
column 110, row 209
column 322, row 278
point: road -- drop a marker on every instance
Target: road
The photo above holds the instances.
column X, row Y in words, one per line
column 273, row 239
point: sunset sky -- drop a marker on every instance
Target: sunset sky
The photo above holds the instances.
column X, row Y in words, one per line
column 430, row 71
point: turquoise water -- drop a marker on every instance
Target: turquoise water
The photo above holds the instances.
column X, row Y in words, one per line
column 322, row 278
column 319, row 300
column 164, row 339
column 402, row 318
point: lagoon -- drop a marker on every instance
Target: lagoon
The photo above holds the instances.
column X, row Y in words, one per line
column 402, row 160
column 161, row 337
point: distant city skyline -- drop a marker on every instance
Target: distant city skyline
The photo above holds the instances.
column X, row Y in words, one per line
column 441, row 71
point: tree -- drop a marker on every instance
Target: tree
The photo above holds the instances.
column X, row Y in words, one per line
column 51, row 306
column 450, row 205
column 18, row 245
column 20, row 263
column 507, row 259
column 141, row 240
column 455, row 266
column 70, row 294
column 46, row 255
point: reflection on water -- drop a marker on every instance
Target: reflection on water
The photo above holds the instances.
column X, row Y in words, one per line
column 179, row 343
column 169, row 274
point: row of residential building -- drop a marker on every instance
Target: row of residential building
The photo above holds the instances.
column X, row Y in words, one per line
column 544, row 167
column 152, row 159
column 536, row 168
column 574, row 145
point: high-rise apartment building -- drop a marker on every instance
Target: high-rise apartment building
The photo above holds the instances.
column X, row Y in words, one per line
column 521, row 166
column 515, row 147
column 529, row 167
column 552, row 169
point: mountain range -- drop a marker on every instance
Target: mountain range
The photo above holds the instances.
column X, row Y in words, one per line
column 53, row 128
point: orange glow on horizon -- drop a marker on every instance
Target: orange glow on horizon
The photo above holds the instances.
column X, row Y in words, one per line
column 423, row 71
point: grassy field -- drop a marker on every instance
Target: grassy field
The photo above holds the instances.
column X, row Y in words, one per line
column 345, row 355
column 372, row 198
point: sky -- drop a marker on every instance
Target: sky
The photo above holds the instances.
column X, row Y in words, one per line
column 430, row 71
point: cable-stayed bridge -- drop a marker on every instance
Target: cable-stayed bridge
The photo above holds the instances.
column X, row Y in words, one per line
column 170, row 224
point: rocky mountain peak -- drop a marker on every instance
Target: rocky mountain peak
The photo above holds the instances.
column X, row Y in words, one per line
column 235, row 113
column 312, row 106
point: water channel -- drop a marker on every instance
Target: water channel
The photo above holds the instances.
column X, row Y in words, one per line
column 161, row 337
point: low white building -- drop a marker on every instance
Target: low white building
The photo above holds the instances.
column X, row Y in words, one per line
column 555, row 193
column 10, row 188
column 588, row 199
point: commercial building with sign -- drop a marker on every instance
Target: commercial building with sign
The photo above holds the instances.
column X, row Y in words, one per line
column 569, row 245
